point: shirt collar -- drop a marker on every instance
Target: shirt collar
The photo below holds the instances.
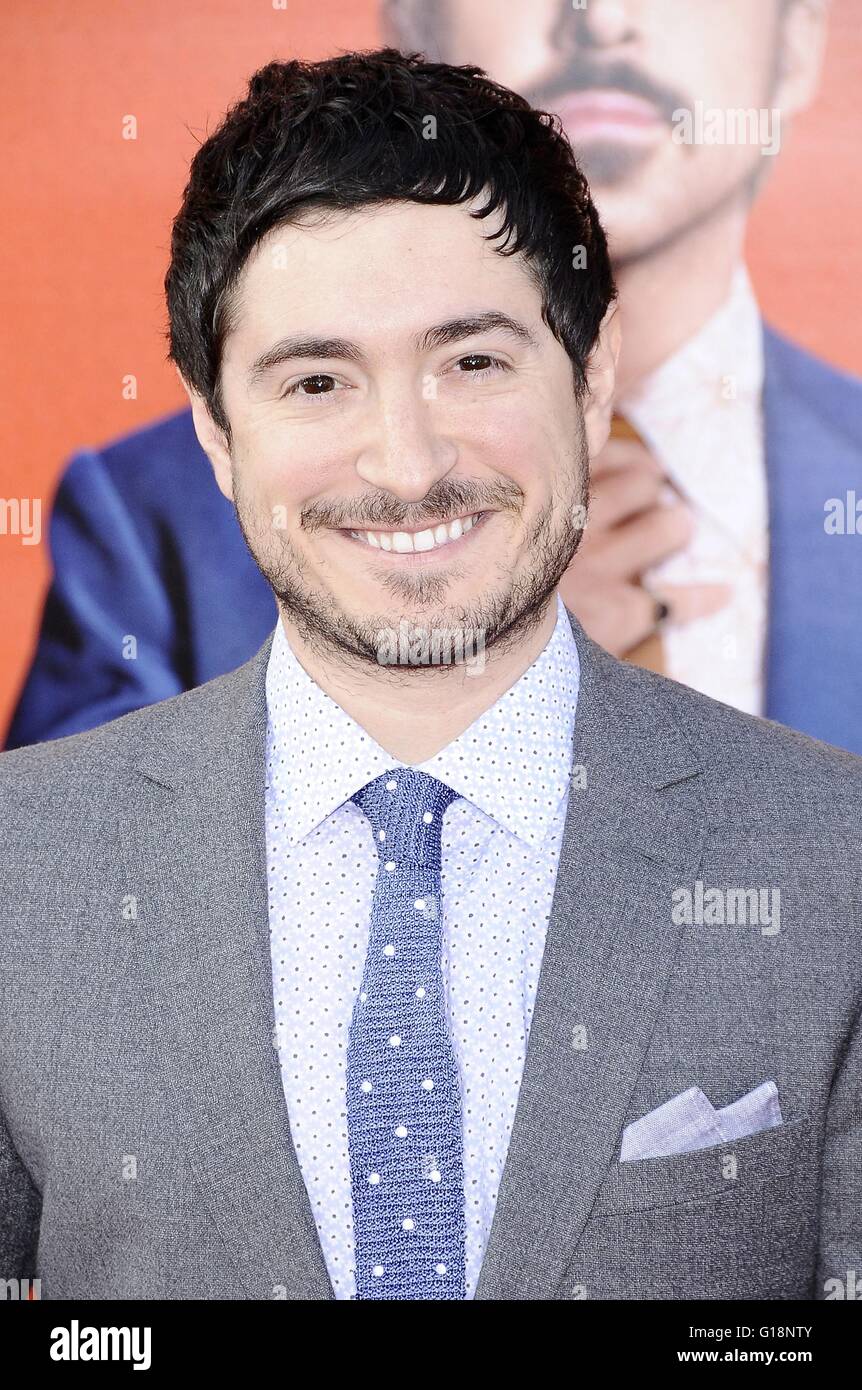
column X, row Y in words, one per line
column 721, row 364
column 707, row 398
column 513, row 762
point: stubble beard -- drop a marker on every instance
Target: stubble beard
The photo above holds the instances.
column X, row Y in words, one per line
column 510, row 609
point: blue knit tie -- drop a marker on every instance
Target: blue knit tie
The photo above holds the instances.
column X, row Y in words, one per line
column 403, row 1101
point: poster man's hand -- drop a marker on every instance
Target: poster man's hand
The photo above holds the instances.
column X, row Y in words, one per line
column 629, row 531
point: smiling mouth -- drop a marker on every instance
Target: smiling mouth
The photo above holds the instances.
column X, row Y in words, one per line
column 431, row 538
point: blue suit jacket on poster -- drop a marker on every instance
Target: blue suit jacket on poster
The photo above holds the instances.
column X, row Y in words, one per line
column 144, row 544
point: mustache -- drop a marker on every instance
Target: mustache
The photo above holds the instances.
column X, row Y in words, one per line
column 583, row 74
column 447, row 499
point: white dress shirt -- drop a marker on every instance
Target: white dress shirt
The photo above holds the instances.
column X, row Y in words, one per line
column 701, row 415
column 500, row 851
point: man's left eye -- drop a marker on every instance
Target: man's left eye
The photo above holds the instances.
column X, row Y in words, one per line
column 483, row 358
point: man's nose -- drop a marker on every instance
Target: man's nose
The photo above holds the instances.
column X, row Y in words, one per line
column 403, row 451
column 605, row 23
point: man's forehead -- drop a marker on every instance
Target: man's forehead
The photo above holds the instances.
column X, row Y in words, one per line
column 335, row 234
column 413, row 290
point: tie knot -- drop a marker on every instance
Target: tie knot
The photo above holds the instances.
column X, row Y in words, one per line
column 405, row 810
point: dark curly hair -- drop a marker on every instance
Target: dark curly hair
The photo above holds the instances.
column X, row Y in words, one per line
column 352, row 131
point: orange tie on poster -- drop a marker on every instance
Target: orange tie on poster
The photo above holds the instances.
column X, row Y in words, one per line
column 650, row 652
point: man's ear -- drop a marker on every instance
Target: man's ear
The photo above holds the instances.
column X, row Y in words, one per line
column 211, row 440
column 802, row 44
column 601, row 380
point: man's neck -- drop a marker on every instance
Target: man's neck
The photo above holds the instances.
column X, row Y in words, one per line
column 667, row 297
column 414, row 713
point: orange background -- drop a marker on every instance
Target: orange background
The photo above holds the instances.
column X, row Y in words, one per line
column 89, row 213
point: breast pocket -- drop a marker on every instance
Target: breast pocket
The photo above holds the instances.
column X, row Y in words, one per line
column 736, row 1220
column 642, row 1183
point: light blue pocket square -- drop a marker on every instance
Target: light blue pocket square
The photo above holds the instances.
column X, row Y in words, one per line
column 689, row 1121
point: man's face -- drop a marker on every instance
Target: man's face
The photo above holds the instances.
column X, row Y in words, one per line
column 616, row 70
column 355, row 468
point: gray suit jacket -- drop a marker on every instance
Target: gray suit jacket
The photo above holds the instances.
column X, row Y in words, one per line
column 145, row 1148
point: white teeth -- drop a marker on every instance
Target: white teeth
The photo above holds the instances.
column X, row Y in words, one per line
column 406, row 543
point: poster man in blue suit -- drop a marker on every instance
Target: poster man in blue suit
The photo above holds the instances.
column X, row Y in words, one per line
column 722, row 546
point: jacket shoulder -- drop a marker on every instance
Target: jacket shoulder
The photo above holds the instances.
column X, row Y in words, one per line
column 833, row 395
column 766, row 769
column 169, row 437
column 760, row 772
column 149, row 466
column 160, row 735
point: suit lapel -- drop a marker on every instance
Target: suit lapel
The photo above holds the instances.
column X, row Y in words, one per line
column 632, row 835
column 201, row 884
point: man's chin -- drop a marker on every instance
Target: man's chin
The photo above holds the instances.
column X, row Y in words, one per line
column 416, row 637
column 388, row 634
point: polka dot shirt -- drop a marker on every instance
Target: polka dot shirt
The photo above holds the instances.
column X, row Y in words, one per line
column 500, row 851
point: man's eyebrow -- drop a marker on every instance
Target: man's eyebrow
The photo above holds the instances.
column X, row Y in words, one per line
column 452, row 331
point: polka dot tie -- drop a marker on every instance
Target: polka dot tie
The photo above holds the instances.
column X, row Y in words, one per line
column 403, row 1102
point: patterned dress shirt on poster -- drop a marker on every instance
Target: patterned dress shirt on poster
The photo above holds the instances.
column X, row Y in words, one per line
column 701, row 416
column 500, row 851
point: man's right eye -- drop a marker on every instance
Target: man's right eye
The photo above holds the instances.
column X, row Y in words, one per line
column 318, row 377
